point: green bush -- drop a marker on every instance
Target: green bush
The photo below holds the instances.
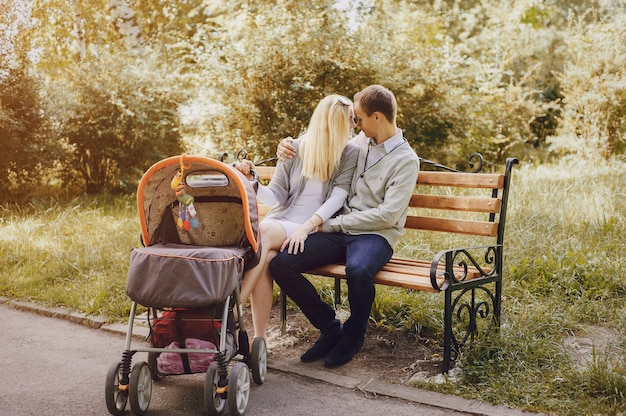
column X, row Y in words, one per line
column 113, row 125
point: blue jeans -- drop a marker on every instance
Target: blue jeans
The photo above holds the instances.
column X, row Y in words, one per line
column 364, row 255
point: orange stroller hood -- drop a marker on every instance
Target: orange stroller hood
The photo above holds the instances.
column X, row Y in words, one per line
column 221, row 201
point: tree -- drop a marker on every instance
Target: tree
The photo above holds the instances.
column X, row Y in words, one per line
column 21, row 122
column 270, row 69
column 114, row 124
column 111, row 104
column 594, row 85
column 114, row 76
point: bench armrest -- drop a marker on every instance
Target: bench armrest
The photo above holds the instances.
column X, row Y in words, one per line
column 457, row 265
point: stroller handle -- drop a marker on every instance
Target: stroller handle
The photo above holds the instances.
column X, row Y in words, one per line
column 255, row 179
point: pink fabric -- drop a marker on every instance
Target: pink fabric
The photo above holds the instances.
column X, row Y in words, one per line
column 172, row 363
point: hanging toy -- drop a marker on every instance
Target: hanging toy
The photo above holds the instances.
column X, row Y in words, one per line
column 186, row 211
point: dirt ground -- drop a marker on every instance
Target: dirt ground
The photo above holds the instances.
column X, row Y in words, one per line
column 386, row 355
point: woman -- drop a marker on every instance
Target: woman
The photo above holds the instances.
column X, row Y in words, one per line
column 305, row 191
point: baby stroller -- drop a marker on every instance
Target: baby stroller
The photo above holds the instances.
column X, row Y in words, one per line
column 199, row 229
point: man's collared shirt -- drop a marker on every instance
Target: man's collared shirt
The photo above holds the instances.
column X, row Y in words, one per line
column 375, row 152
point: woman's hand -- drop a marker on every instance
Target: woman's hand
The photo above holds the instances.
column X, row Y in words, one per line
column 244, row 166
column 295, row 242
column 285, row 149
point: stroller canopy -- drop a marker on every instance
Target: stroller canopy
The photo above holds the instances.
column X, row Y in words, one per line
column 219, row 199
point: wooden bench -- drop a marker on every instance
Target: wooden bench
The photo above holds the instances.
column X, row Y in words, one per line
column 448, row 201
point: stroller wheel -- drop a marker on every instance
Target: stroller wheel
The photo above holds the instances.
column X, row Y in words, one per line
column 258, row 360
column 213, row 402
column 238, row 389
column 115, row 399
column 140, row 388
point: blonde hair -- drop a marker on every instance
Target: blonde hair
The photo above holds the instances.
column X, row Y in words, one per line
column 327, row 135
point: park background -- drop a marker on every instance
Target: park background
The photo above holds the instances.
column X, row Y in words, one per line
column 93, row 92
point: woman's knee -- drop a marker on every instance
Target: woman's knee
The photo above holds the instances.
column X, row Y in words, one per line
column 272, row 235
column 270, row 255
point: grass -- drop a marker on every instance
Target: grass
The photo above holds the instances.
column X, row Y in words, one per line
column 73, row 254
column 565, row 272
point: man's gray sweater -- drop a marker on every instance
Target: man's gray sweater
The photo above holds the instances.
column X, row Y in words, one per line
column 379, row 196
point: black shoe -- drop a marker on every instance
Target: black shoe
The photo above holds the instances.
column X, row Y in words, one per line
column 322, row 346
column 343, row 352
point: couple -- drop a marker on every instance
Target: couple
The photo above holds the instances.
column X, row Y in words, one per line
column 369, row 179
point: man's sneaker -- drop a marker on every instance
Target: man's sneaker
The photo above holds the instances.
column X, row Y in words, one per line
column 343, row 352
column 322, row 346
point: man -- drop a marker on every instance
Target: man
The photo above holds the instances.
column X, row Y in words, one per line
column 362, row 236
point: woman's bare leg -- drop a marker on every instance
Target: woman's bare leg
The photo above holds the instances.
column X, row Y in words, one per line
column 257, row 283
column 261, row 299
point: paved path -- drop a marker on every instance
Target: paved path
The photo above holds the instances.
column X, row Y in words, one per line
column 58, row 367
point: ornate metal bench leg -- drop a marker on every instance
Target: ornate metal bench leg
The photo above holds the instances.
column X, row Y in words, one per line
column 447, row 331
column 497, row 304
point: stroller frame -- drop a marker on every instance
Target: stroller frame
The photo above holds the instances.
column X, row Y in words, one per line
column 189, row 254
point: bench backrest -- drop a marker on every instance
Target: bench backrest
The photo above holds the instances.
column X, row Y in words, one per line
column 451, row 201
column 461, row 202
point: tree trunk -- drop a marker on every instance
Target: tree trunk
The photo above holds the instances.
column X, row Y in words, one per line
column 79, row 29
column 124, row 19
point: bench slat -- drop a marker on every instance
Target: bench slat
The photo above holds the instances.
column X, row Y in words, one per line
column 456, row 203
column 384, row 277
column 432, row 178
column 452, row 225
column 405, row 281
column 265, row 172
column 399, row 272
column 423, row 271
column 463, row 180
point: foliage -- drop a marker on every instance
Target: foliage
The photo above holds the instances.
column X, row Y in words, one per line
column 20, row 129
column 110, row 113
column 23, row 145
column 524, row 78
column 300, row 55
column 457, row 93
column 114, row 125
column 69, row 253
column 595, row 87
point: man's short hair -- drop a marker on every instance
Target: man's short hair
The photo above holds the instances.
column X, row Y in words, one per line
column 377, row 98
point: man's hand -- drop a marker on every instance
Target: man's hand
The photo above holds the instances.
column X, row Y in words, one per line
column 285, row 149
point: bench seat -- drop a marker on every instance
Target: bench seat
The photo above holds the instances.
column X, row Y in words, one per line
column 401, row 272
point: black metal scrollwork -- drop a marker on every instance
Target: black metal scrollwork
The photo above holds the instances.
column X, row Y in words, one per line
column 491, row 256
column 243, row 154
column 464, row 282
column 468, row 315
column 463, row 258
column 473, row 159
